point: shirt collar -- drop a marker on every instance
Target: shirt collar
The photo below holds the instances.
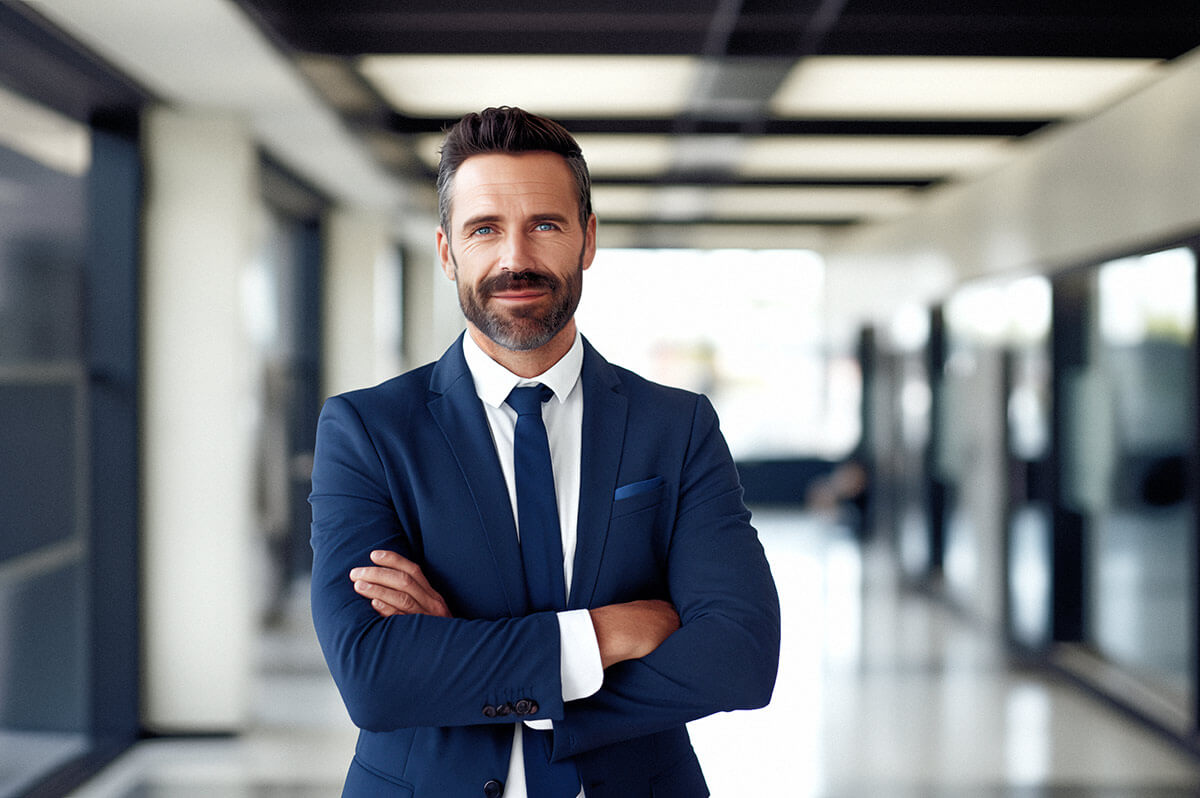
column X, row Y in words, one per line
column 493, row 382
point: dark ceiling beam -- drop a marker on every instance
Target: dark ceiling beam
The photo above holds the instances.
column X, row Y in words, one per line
column 1150, row 29
column 398, row 123
column 720, row 221
column 40, row 62
column 725, row 180
column 1140, row 33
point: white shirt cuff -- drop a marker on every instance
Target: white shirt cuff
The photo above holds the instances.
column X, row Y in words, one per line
column 579, row 663
column 582, row 673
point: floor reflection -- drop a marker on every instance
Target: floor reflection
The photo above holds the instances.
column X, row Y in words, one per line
column 881, row 693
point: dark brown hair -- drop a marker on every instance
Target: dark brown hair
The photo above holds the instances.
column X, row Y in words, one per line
column 508, row 130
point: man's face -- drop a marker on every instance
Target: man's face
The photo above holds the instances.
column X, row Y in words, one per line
column 516, row 247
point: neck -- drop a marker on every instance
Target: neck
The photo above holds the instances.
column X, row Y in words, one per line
column 529, row 363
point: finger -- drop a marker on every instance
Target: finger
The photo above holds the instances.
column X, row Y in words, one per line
column 384, row 609
column 427, row 599
column 398, row 602
column 390, row 559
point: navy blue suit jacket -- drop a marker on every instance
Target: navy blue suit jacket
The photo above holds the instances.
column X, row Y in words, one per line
column 410, row 466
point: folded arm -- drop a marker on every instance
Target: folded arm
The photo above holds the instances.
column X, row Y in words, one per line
column 630, row 630
column 725, row 654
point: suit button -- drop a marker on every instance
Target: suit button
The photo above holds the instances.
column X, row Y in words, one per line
column 524, row 707
column 493, row 789
column 489, row 711
column 504, row 709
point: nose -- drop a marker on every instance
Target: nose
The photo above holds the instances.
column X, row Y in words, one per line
column 516, row 253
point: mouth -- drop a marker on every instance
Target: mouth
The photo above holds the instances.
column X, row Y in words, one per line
column 518, row 287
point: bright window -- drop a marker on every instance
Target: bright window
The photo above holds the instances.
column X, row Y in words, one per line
column 744, row 327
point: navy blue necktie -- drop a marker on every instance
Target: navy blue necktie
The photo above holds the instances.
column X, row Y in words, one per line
column 542, row 557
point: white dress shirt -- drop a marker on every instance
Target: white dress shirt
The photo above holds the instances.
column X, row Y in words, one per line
column 582, row 673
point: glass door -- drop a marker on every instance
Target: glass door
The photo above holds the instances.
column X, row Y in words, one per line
column 1129, row 421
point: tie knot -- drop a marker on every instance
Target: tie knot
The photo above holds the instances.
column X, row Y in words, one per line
column 528, row 400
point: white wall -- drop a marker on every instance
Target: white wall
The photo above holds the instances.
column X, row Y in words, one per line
column 198, row 401
column 1128, row 178
column 432, row 316
column 360, row 327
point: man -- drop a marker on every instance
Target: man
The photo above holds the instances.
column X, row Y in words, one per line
column 503, row 620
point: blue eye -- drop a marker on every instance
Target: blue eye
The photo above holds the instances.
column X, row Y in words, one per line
column 546, row 226
column 482, row 231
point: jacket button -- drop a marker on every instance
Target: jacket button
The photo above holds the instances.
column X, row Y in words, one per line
column 504, row 709
column 489, row 711
column 524, row 707
column 493, row 789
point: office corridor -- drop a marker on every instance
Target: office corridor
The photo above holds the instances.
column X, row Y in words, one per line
column 881, row 693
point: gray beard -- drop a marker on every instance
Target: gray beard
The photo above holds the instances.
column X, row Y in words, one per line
column 524, row 331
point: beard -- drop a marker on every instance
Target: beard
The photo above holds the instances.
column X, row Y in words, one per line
column 522, row 329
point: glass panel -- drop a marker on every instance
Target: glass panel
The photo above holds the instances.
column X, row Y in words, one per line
column 1030, row 518
column 44, row 661
column 1132, row 443
column 721, row 322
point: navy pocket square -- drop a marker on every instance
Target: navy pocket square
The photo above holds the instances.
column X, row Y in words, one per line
column 634, row 488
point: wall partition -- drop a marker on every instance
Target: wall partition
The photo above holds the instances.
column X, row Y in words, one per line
column 1127, row 420
column 69, row 200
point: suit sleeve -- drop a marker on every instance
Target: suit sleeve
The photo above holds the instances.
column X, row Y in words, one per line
column 409, row 670
column 725, row 655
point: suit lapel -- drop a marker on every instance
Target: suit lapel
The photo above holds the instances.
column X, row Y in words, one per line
column 604, row 413
column 458, row 412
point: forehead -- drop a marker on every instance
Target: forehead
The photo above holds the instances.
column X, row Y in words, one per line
column 493, row 179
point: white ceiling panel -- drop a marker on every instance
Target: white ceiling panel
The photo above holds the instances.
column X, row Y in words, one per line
column 38, row 133
column 889, row 157
column 784, row 202
column 591, row 86
column 606, row 155
column 758, row 203
column 956, row 88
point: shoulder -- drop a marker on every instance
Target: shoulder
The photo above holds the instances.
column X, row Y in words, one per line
column 397, row 399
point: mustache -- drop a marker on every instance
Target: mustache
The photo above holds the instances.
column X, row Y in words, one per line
column 508, row 281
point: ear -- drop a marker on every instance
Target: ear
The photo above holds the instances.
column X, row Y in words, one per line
column 589, row 241
column 443, row 250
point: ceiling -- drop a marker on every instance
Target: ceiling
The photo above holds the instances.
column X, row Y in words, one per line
column 739, row 121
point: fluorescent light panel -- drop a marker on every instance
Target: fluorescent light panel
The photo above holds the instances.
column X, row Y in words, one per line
column 702, row 236
column 956, row 87
column 452, row 85
column 870, row 156
column 606, row 155
column 747, row 203
column 45, row 136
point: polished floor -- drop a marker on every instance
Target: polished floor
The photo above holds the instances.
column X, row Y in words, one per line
column 881, row 693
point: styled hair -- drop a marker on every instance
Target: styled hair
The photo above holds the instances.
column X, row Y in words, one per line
column 508, row 130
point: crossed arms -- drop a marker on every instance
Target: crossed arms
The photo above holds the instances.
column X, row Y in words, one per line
column 629, row 630
column 702, row 637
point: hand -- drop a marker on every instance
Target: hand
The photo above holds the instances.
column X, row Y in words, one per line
column 397, row 586
column 632, row 630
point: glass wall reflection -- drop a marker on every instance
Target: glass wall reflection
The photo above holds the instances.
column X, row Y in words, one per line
column 1130, row 427
column 44, row 698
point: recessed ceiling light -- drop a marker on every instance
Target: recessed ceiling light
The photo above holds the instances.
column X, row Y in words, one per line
column 956, row 87
column 871, row 156
column 452, row 85
column 606, row 155
column 45, row 136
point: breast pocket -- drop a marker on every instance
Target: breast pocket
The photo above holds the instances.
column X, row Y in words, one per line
column 638, row 496
column 635, row 553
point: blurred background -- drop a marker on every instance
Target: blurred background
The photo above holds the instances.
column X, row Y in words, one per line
column 934, row 263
